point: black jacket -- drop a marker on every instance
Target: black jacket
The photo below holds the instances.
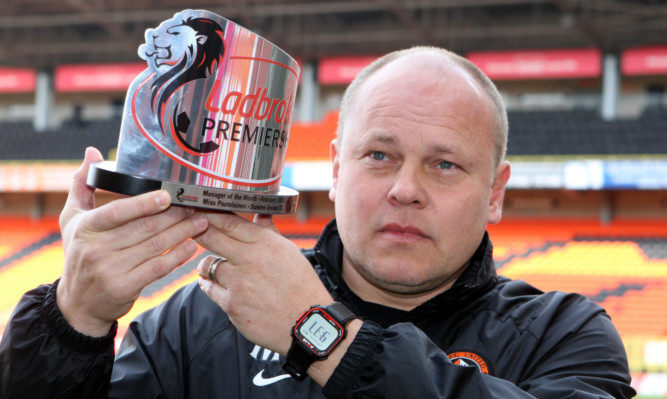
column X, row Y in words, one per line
column 486, row 337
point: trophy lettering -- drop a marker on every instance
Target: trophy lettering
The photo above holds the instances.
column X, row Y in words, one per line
column 208, row 120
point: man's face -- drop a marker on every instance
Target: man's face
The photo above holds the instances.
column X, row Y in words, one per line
column 414, row 178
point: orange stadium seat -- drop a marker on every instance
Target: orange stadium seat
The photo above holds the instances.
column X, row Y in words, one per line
column 17, row 232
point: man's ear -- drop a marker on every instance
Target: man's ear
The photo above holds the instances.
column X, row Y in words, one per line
column 335, row 155
column 502, row 175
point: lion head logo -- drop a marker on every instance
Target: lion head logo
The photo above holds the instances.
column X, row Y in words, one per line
column 181, row 50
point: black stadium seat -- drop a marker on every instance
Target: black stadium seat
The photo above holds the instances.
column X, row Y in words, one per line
column 575, row 132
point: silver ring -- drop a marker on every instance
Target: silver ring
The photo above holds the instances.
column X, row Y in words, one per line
column 214, row 266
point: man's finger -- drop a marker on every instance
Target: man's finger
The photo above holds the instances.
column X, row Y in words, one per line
column 81, row 197
column 216, row 292
column 220, row 243
column 141, row 229
column 204, row 266
column 234, row 226
column 265, row 221
column 119, row 212
column 156, row 245
column 160, row 266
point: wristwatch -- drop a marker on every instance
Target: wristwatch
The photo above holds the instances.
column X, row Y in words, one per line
column 316, row 333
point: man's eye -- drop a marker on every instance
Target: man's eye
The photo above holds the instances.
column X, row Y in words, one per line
column 378, row 156
column 445, row 165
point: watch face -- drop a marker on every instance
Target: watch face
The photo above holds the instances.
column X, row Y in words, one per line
column 318, row 332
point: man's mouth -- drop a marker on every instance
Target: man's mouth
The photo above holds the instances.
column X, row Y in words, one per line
column 400, row 232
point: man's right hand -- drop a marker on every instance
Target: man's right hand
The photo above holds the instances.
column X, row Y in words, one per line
column 114, row 251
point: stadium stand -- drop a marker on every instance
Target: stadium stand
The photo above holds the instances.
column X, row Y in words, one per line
column 622, row 266
column 20, row 232
column 532, row 133
column 554, row 132
column 30, row 254
column 20, row 141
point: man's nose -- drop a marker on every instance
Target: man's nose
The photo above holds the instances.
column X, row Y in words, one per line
column 408, row 187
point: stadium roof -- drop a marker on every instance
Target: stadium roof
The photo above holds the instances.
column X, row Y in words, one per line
column 45, row 33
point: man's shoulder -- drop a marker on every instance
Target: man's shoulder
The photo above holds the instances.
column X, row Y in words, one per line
column 533, row 309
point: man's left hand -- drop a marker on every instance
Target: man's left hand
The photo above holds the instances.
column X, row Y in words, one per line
column 266, row 283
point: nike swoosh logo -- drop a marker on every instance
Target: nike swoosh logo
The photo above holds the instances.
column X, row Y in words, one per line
column 260, row 381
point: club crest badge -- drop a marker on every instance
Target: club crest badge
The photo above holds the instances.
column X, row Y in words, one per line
column 470, row 359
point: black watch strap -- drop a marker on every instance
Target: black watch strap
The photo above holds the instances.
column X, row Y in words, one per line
column 299, row 358
column 340, row 313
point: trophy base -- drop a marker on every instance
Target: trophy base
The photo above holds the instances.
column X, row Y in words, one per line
column 103, row 175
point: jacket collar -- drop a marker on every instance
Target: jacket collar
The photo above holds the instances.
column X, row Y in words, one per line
column 478, row 278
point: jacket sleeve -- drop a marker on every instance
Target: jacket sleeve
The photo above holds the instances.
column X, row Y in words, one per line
column 402, row 362
column 138, row 371
column 154, row 359
column 149, row 363
column 42, row 356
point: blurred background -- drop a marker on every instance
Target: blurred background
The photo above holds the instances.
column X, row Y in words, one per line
column 584, row 83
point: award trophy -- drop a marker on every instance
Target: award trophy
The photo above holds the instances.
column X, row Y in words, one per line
column 208, row 120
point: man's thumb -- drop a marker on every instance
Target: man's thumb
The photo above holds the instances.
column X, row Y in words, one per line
column 81, row 196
